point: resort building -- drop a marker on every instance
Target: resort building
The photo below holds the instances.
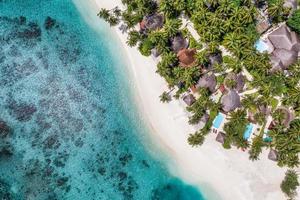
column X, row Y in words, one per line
column 187, row 57
column 286, row 45
column 214, row 59
column 288, row 116
column 179, row 43
column 152, row 22
column 230, row 101
column 208, row 81
column 292, row 4
column 221, row 137
column 189, row 99
column 273, row 155
column 238, row 81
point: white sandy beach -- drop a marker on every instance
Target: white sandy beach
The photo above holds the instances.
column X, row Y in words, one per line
column 219, row 173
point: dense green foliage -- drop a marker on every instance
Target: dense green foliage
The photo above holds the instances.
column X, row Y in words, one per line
column 235, row 129
column 289, row 184
column 294, row 21
column 287, row 143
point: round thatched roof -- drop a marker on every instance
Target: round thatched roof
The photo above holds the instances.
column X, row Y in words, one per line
column 231, row 101
column 208, row 81
column 187, row 57
column 239, row 80
column 154, row 22
column 189, row 99
column 179, row 43
column 272, row 155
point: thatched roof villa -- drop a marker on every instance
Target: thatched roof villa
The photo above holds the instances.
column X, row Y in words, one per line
column 273, row 155
column 287, row 114
column 152, row 22
column 208, row 81
column 286, row 45
column 231, row 101
column 238, row 79
column 189, row 99
column 220, row 137
column 187, row 57
column 179, row 43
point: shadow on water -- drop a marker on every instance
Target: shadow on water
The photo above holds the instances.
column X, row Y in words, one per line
column 64, row 132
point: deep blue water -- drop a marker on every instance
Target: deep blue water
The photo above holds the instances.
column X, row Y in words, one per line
column 74, row 129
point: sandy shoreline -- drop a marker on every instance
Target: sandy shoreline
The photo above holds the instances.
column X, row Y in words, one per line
column 217, row 172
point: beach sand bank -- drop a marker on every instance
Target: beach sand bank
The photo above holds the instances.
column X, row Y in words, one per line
column 219, row 173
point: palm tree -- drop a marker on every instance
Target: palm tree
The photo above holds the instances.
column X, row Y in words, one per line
column 172, row 26
column 104, row 13
column 165, row 97
column 196, row 139
column 133, row 38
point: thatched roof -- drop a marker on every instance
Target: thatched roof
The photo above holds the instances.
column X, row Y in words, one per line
column 276, row 64
column 239, row 80
column 264, row 109
column 282, row 38
column 208, row 81
column 187, row 57
column 154, row 22
column 288, row 116
column 231, row 101
column 272, row 155
column 205, row 118
column 220, row 137
column 290, row 4
column 215, row 59
column 179, row 43
column 286, row 57
column 189, row 99
column 155, row 53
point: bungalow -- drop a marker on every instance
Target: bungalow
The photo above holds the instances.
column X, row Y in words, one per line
column 292, row 4
column 187, row 57
column 207, row 81
column 152, row 22
column 231, row 101
column 179, row 43
column 221, row 137
column 287, row 116
column 189, row 99
column 286, row 45
column 238, row 79
column 273, row 155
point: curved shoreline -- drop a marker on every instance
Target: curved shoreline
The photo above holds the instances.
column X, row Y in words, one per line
column 229, row 173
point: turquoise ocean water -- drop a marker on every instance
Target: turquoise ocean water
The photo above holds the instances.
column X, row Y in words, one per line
column 75, row 133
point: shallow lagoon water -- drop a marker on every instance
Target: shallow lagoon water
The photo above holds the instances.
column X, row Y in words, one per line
column 75, row 132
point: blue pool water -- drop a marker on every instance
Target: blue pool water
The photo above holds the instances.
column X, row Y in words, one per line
column 267, row 138
column 65, row 94
column 218, row 120
column 248, row 131
column 261, row 46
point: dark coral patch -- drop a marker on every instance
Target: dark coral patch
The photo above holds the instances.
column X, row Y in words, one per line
column 49, row 23
column 4, row 129
column 21, row 111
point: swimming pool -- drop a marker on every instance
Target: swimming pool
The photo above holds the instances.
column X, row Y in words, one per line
column 218, row 120
column 248, row 131
column 261, row 46
column 266, row 136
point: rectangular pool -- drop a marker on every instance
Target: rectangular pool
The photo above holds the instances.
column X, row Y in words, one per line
column 248, row 131
column 218, row 120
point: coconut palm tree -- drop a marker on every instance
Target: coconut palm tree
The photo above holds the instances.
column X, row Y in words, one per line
column 133, row 38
